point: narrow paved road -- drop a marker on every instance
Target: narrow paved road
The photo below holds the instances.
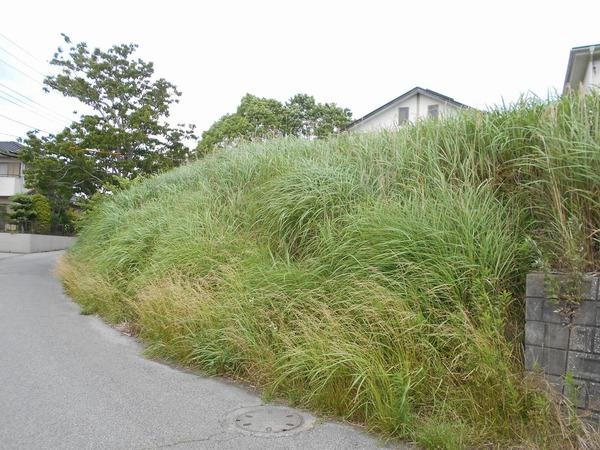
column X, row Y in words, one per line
column 68, row 381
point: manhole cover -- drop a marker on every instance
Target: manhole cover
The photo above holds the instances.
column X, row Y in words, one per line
column 269, row 421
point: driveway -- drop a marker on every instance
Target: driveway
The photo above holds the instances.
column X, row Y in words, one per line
column 69, row 381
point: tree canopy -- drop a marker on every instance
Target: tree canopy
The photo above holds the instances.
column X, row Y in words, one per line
column 124, row 133
column 259, row 118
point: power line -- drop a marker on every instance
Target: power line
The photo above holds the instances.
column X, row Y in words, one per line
column 37, row 103
column 20, row 71
column 24, row 124
column 9, row 100
column 27, row 75
column 11, row 135
column 22, row 62
column 37, row 59
column 19, row 47
column 13, row 97
column 20, row 105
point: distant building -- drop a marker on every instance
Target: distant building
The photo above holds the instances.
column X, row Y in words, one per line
column 583, row 69
column 11, row 176
column 418, row 103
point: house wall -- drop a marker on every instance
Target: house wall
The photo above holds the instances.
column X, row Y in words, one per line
column 388, row 118
column 10, row 185
column 591, row 77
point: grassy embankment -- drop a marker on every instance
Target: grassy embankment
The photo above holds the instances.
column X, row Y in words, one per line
column 377, row 278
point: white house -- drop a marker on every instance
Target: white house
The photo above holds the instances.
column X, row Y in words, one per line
column 418, row 103
column 583, row 70
column 11, row 176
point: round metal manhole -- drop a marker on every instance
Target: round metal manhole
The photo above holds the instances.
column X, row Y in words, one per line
column 269, row 421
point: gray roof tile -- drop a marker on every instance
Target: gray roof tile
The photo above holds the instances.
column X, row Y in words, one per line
column 10, row 148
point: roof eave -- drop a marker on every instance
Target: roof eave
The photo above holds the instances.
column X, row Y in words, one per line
column 408, row 94
column 581, row 50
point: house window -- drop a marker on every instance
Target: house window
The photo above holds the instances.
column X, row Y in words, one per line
column 9, row 169
column 402, row 115
column 433, row 111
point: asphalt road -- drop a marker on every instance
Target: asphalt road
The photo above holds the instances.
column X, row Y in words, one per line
column 69, row 381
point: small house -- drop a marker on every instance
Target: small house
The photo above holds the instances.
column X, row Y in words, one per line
column 418, row 103
column 11, row 176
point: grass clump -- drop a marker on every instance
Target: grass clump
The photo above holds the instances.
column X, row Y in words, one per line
column 376, row 277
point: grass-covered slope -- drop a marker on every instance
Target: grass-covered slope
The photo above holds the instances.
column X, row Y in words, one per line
column 377, row 277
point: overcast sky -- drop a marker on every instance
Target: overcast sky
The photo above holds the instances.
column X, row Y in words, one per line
column 358, row 54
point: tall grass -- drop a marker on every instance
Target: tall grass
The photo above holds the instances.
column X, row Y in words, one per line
column 376, row 277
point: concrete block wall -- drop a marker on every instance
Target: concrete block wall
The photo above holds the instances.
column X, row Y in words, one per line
column 33, row 243
column 568, row 342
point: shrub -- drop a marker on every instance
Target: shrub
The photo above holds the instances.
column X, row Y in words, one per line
column 43, row 213
column 375, row 277
column 22, row 210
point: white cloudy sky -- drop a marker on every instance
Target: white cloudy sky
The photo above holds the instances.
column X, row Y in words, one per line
column 359, row 54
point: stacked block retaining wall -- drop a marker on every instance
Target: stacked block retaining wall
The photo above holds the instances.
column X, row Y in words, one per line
column 563, row 336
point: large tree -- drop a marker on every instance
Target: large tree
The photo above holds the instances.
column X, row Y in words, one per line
column 123, row 134
column 262, row 118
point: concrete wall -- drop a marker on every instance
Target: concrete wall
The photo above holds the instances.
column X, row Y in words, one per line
column 33, row 243
column 417, row 109
column 563, row 337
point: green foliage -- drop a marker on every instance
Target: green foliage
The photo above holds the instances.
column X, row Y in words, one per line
column 43, row 213
column 58, row 168
column 377, row 277
column 125, row 135
column 441, row 435
column 22, row 208
column 257, row 119
column 34, row 209
column 304, row 117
